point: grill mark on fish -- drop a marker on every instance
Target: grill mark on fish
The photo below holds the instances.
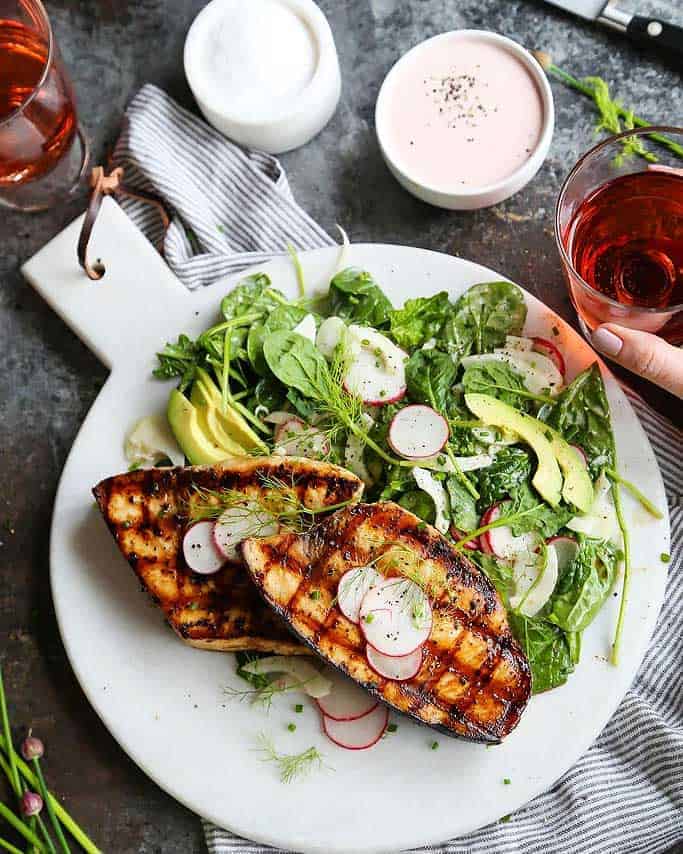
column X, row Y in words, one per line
column 144, row 512
column 459, row 688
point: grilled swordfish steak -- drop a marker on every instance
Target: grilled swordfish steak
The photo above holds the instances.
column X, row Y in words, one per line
column 145, row 511
column 474, row 681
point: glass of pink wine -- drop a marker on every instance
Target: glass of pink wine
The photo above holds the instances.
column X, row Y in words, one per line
column 619, row 230
column 43, row 152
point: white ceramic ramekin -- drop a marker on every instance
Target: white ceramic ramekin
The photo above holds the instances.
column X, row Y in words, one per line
column 472, row 198
column 310, row 111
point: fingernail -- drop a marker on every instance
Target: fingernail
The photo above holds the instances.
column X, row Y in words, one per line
column 607, row 342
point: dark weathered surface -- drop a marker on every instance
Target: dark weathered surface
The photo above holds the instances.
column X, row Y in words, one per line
column 49, row 380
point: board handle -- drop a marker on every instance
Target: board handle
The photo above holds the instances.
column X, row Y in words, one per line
column 132, row 306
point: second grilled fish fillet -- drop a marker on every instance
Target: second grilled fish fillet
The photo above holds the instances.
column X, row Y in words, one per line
column 474, row 681
column 224, row 612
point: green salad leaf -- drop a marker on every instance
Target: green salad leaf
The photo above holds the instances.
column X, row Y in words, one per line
column 585, row 584
column 419, row 503
column 497, row 380
column 430, row 374
column 581, row 415
column 178, row 360
column 543, row 519
column 510, row 469
column 355, row 296
column 464, row 513
column 419, row 320
column 297, row 363
column 483, row 316
column 252, row 294
column 548, row 649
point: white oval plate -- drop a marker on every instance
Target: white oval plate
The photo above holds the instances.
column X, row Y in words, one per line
column 164, row 702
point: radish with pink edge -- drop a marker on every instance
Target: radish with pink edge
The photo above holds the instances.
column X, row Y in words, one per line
column 398, row 669
column 377, row 371
column 199, row 549
column 473, row 544
column 353, row 586
column 547, row 348
column 501, row 542
column 239, row 522
column 346, row 701
column 396, row 617
column 417, row 432
column 360, row 733
column 295, row 438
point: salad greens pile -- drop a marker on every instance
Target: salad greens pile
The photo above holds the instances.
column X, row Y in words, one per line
column 266, row 365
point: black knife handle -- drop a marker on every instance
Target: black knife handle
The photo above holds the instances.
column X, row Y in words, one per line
column 666, row 39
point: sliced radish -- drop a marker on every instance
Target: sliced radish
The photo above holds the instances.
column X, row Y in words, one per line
column 295, row 438
column 354, row 452
column 329, row 335
column 306, row 677
column 346, row 701
column 199, row 549
column 377, row 370
column 474, row 544
column 537, row 371
column 396, row 617
column 516, row 342
column 417, row 432
column 435, row 490
column 566, row 549
column 501, row 542
column 353, row 586
column 390, row 667
column 547, row 348
column 581, row 453
column 358, row 734
column 306, row 328
column 237, row 523
column 601, row 521
column 534, row 583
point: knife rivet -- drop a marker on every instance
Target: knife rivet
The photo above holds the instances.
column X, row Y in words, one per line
column 654, row 28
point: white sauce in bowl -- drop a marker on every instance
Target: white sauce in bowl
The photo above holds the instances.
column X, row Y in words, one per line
column 460, row 111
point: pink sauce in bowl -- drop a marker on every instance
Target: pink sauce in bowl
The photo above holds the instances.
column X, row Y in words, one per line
column 465, row 119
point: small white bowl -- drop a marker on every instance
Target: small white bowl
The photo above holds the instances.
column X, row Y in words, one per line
column 310, row 111
column 471, row 198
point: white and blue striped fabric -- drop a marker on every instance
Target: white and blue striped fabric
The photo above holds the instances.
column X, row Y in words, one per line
column 233, row 209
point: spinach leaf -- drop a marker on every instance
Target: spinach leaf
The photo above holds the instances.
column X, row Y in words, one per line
column 355, row 296
column 304, row 407
column 510, row 469
column 251, row 294
column 430, row 375
column 585, row 584
column 545, row 520
column 483, row 316
column 419, row 320
column 255, row 338
column 297, row 363
column 267, row 392
column 501, row 574
column 463, row 506
column 419, row 503
column 398, row 480
column 285, row 317
column 497, row 380
column 581, row 414
column 548, row 649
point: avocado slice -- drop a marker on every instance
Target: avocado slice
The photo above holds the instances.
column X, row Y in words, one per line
column 547, row 479
column 232, row 422
column 196, row 445
column 207, row 416
column 578, row 487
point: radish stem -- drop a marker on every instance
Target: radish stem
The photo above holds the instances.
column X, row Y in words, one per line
column 462, row 477
column 51, row 813
column 627, row 572
column 498, row 523
column 298, row 269
column 74, row 829
column 13, row 773
column 20, row 827
column 7, row 846
column 635, row 492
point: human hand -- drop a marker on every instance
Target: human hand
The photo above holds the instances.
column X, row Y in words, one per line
column 643, row 353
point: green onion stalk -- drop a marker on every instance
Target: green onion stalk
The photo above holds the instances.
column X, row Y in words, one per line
column 611, row 111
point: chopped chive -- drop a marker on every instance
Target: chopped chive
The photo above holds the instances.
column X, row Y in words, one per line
column 435, row 745
column 664, row 557
column 315, row 594
column 291, row 727
column 369, row 618
column 505, row 819
column 506, row 781
column 392, row 727
column 299, row 708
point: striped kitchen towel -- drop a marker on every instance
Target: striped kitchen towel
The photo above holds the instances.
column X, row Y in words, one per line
column 234, row 209
column 230, row 208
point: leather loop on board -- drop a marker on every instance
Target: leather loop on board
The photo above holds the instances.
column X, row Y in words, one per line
column 102, row 185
